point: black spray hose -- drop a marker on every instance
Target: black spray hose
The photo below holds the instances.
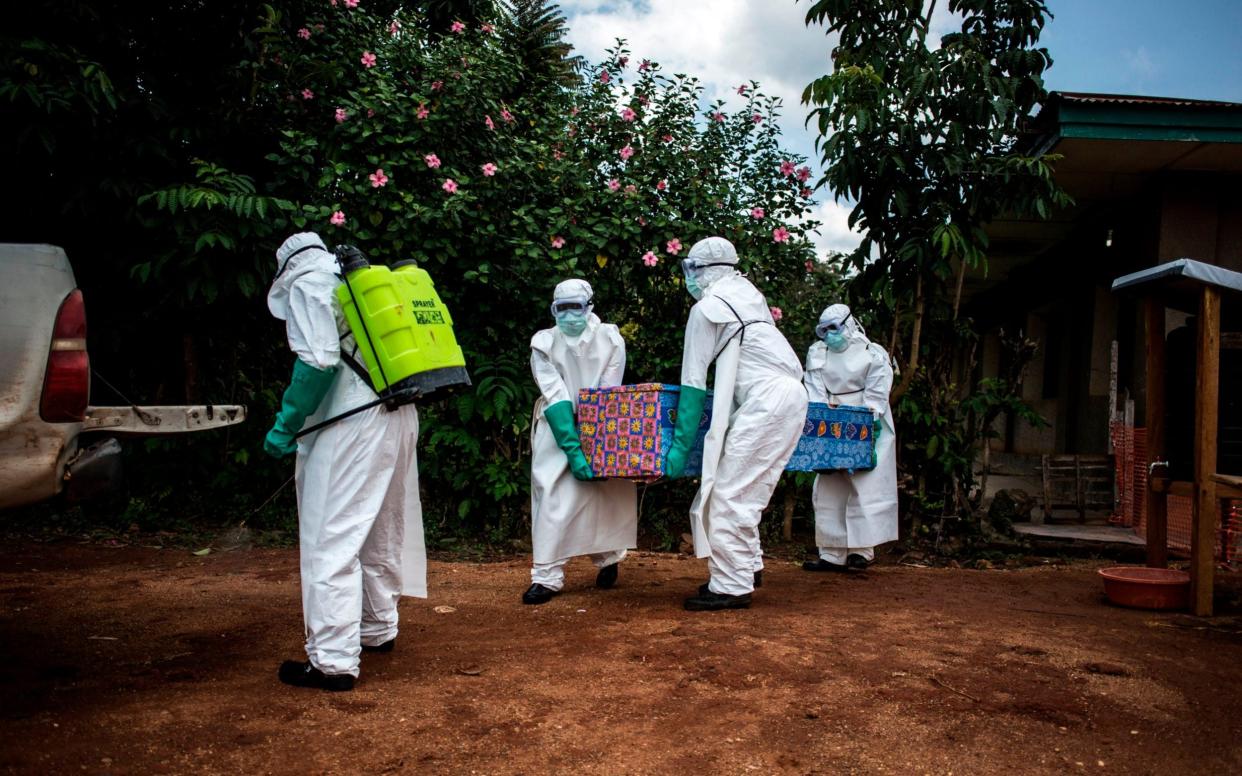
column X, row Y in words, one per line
column 351, row 413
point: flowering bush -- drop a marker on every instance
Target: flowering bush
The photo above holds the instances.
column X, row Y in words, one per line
column 400, row 155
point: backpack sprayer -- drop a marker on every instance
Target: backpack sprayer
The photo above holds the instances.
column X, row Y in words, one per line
column 403, row 331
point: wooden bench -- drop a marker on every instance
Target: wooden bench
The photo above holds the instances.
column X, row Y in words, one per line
column 1079, row 482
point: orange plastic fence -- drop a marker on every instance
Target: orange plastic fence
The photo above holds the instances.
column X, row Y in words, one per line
column 1130, row 462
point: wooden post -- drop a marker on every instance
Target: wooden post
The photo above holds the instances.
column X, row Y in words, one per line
column 1207, row 405
column 1157, row 503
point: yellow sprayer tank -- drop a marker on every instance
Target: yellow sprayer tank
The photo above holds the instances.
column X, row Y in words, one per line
column 404, row 332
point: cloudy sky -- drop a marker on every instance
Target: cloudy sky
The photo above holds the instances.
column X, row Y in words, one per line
column 1121, row 46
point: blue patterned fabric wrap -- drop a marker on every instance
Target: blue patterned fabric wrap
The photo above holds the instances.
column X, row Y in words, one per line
column 835, row 439
column 626, row 431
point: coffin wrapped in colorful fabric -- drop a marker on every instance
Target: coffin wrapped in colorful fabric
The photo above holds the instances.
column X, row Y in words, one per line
column 835, row 439
column 626, row 431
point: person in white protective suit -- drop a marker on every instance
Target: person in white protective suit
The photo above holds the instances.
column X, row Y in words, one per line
column 571, row 515
column 360, row 523
column 758, row 409
column 854, row 512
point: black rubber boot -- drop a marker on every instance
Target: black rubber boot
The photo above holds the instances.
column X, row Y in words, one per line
column 538, row 594
column 819, row 564
column 387, row 646
column 301, row 674
column 607, row 577
column 856, row 562
column 712, row 602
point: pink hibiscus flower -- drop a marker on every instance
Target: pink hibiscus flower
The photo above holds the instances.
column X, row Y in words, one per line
column 368, row 59
column 370, row 113
column 489, row 170
column 307, row 94
column 776, row 313
column 644, row 66
column 644, row 100
column 378, row 178
column 806, row 193
column 341, row 115
column 437, row 86
column 667, row 138
column 631, row 189
column 614, row 184
column 506, row 115
column 449, row 185
column 457, row 27
column 488, row 121
column 627, row 152
column 787, row 167
column 487, row 29
column 718, row 117
column 742, row 90
column 628, row 115
column 662, row 185
column 673, row 246
column 623, row 61
column 756, row 212
column 337, row 218
column 780, row 234
column 351, row 3
column 432, row 161
column 558, row 241
column 422, row 112
column 604, row 77
column 810, row 266
column 304, row 33
column 804, row 173
column 650, row 259
column 757, row 118
column 394, row 28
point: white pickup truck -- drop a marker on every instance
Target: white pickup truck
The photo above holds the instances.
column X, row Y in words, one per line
column 45, row 377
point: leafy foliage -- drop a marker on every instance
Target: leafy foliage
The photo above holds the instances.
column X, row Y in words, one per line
column 925, row 140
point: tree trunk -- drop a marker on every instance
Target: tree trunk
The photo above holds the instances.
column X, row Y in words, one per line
column 912, row 364
column 189, row 356
column 791, row 495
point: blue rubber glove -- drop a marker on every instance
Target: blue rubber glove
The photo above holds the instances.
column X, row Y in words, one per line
column 306, row 390
column 689, row 412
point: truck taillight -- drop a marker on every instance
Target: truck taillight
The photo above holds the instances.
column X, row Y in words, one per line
column 66, row 387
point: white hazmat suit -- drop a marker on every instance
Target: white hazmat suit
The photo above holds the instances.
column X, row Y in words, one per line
column 360, row 522
column 570, row 517
column 854, row 513
column 760, row 399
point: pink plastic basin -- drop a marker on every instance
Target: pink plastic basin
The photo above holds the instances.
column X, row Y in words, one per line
column 1141, row 587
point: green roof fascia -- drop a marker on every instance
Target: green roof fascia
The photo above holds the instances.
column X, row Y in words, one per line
column 1150, row 122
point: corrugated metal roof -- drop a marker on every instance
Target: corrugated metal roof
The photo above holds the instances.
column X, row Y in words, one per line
column 1089, row 98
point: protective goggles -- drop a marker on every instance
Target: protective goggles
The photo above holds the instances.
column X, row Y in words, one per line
column 562, row 306
column 690, row 265
column 831, row 327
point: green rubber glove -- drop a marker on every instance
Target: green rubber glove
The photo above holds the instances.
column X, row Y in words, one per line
column 306, row 390
column 565, row 431
column 689, row 412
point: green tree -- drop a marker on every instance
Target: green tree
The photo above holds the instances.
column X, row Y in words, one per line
column 536, row 34
column 924, row 138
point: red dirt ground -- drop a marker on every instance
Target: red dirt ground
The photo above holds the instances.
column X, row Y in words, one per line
column 155, row 661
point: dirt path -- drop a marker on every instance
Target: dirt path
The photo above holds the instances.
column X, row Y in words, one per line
column 156, row 661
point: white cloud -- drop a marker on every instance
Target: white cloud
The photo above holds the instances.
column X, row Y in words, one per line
column 834, row 231
column 1139, row 63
